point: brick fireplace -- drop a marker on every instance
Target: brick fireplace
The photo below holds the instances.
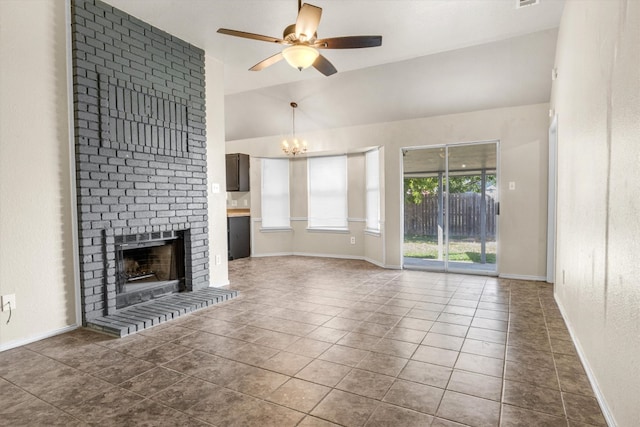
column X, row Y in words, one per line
column 139, row 106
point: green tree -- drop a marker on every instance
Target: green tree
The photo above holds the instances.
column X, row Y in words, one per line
column 472, row 183
column 416, row 188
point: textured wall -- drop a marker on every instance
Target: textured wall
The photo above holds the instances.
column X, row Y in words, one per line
column 597, row 99
column 36, row 228
column 139, row 104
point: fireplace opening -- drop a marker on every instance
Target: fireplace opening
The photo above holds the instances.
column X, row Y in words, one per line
column 149, row 266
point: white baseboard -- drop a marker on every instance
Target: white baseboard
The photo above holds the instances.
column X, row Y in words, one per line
column 606, row 412
column 374, row 262
column 265, row 255
column 394, row 267
column 219, row 285
column 32, row 339
column 522, row 277
column 307, row 254
column 336, row 256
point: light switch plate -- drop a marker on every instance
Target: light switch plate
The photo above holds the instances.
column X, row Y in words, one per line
column 215, row 187
column 512, row 185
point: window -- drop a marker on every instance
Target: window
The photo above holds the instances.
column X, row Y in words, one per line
column 327, row 179
column 372, row 170
column 275, row 193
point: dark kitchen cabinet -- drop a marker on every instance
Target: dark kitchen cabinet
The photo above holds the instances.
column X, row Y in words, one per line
column 238, row 236
column 237, row 172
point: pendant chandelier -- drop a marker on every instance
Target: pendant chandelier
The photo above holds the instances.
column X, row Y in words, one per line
column 293, row 146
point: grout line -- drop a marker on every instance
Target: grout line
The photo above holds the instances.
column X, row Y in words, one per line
column 504, row 367
column 555, row 365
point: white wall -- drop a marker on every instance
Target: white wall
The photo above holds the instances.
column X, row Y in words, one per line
column 214, row 81
column 36, row 206
column 522, row 132
column 597, row 99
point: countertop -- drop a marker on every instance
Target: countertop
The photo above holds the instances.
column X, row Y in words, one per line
column 238, row 212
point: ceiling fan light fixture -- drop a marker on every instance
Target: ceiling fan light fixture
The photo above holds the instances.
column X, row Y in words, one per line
column 301, row 42
column 300, row 56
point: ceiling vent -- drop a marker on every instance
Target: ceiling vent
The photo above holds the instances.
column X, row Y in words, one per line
column 525, row 3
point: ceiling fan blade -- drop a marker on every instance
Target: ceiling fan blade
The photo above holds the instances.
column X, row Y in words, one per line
column 250, row 36
column 308, row 21
column 349, row 42
column 323, row 65
column 267, row 62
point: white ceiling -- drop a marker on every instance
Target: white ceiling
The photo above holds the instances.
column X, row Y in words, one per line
column 437, row 57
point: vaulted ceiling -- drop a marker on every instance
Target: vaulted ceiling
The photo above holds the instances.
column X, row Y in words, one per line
column 437, row 57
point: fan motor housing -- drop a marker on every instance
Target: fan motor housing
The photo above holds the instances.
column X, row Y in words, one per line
column 289, row 35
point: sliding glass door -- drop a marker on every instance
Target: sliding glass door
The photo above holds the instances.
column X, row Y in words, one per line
column 451, row 207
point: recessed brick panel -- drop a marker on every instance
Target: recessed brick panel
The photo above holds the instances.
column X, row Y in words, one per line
column 139, row 114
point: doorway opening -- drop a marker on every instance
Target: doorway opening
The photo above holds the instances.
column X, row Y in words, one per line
column 451, row 208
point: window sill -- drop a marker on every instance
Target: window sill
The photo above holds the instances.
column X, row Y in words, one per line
column 374, row 233
column 328, row 230
column 275, row 229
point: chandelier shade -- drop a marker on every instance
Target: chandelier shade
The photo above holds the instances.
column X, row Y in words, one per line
column 300, row 56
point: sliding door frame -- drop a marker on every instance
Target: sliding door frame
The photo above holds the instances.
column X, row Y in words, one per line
column 445, row 266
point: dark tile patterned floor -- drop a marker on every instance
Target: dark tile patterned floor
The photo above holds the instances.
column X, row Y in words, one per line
column 318, row 342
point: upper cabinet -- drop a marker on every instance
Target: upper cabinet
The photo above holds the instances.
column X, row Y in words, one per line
column 237, row 172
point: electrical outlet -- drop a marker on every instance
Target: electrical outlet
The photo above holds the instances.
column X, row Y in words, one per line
column 234, row 203
column 512, row 185
column 245, row 202
column 353, row 240
column 8, row 300
column 218, row 260
column 215, row 187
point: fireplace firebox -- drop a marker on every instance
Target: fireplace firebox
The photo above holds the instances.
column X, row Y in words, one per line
column 149, row 266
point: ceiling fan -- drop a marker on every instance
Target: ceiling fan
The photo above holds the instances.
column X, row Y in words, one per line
column 303, row 43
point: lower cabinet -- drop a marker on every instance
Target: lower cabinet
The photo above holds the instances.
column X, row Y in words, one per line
column 239, row 237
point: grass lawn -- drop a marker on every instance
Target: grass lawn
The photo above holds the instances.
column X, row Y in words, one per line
column 426, row 247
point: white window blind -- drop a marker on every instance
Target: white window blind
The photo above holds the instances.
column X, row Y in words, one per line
column 372, row 169
column 327, row 180
column 275, row 193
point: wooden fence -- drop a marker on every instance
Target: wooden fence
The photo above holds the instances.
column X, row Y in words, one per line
column 464, row 216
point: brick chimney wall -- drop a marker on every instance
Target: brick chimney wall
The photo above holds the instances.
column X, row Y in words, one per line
column 139, row 115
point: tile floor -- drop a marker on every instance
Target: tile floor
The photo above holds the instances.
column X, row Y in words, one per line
column 319, row 342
